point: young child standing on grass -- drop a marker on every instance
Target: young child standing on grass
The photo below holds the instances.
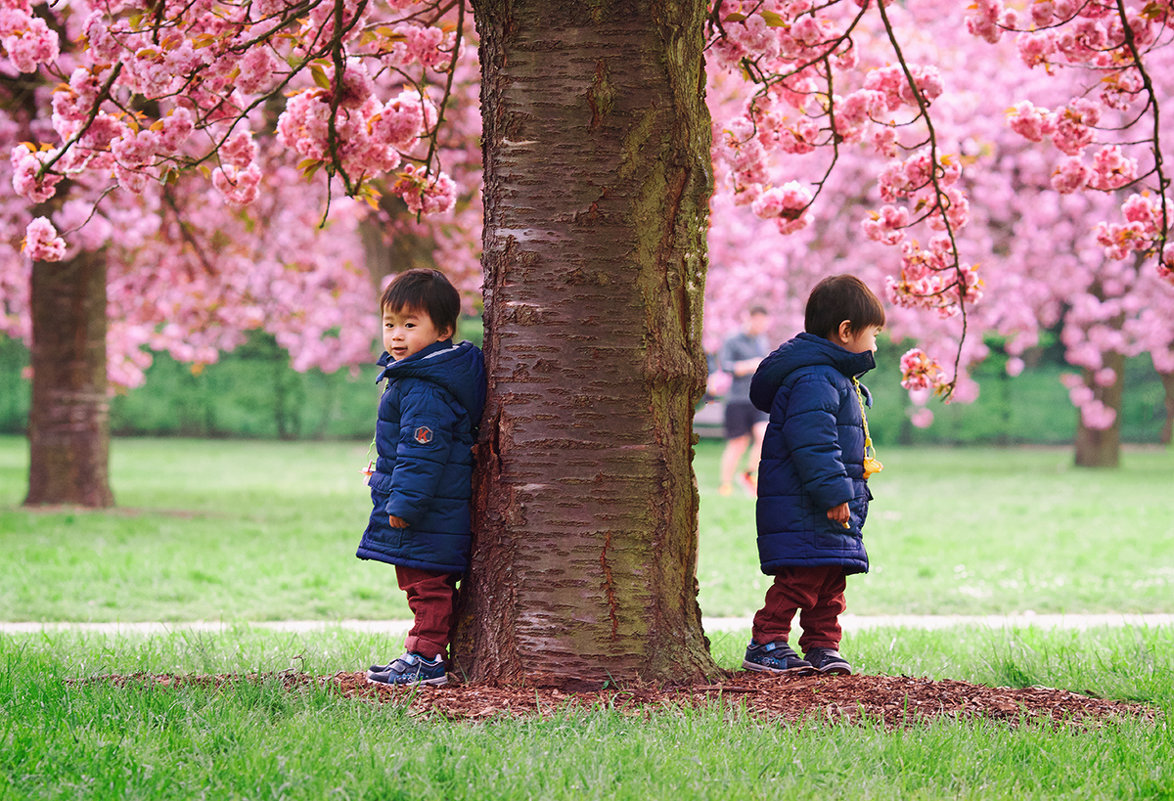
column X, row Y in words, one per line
column 422, row 480
column 812, row 481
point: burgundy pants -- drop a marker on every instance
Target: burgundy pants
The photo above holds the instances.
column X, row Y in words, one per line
column 431, row 597
column 818, row 592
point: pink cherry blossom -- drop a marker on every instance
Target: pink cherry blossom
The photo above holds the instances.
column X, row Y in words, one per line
column 1112, row 169
column 425, row 194
column 240, row 150
column 176, row 129
column 41, row 242
column 785, row 205
column 400, row 121
column 1097, row 416
column 1075, row 126
column 1031, row 122
column 258, row 70
column 922, row 417
column 919, row 371
column 27, row 40
column 26, row 164
column 1070, row 176
column 240, row 186
column 888, row 225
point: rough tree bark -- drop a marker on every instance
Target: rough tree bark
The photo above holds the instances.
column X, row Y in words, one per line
column 69, row 421
column 597, row 179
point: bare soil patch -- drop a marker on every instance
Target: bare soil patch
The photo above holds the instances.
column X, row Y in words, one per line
column 894, row 700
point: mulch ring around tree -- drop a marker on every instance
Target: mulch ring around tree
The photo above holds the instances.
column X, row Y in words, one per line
column 894, row 700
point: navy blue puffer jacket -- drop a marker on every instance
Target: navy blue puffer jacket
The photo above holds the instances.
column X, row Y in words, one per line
column 424, row 437
column 812, row 455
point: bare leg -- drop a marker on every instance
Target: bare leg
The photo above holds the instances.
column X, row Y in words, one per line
column 732, row 454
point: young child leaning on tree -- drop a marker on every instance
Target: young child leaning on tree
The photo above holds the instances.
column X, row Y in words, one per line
column 421, row 484
column 812, row 482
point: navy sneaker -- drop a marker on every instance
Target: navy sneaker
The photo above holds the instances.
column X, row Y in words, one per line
column 828, row 660
column 775, row 657
column 410, row 669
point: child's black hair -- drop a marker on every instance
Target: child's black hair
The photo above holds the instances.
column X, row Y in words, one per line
column 427, row 290
column 838, row 298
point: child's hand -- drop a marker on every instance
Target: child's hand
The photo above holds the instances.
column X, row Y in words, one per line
column 840, row 514
column 397, row 522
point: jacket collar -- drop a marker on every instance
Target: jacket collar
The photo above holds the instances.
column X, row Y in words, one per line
column 388, row 364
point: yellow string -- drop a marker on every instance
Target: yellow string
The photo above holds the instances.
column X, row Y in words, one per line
column 872, row 465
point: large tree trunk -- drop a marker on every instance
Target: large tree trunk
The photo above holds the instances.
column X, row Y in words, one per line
column 69, row 422
column 1101, row 447
column 597, row 178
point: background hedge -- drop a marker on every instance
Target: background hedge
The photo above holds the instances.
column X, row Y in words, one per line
column 252, row 392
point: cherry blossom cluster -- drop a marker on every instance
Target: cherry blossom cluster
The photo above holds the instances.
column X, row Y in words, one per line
column 1044, row 269
column 920, row 372
column 1115, row 47
column 1142, row 226
column 195, row 262
column 928, row 281
column 26, row 40
column 165, row 87
column 832, row 81
column 366, row 137
column 1093, row 411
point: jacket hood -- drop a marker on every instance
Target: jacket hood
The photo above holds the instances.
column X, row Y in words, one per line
column 459, row 369
column 805, row 350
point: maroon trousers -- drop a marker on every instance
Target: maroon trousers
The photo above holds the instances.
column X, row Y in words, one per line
column 431, row 597
column 818, row 592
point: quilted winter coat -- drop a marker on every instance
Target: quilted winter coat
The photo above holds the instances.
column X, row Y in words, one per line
column 424, row 437
column 812, row 455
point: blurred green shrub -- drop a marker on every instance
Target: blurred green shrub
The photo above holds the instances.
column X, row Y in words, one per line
column 252, row 392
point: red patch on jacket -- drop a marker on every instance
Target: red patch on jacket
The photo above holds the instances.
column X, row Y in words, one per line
column 423, row 435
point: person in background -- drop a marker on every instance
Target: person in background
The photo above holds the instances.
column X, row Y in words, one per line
column 745, row 425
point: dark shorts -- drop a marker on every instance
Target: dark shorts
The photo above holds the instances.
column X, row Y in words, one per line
column 741, row 416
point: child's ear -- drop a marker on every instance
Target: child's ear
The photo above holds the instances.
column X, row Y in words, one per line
column 844, row 332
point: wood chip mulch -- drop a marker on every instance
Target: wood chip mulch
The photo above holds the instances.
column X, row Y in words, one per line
column 894, row 701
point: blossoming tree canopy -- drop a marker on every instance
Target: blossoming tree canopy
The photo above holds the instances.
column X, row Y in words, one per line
column 160, row 88
column 155, row 90
column 835, row 78
column 170, row 144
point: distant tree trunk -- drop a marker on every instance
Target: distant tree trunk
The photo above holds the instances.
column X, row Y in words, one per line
column 597, row 178
column 69, row 420
column 1102, row 447
column 387, row 254
column 1168, row 426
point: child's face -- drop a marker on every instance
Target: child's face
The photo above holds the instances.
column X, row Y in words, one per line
column 409, row 331
column 859, row 341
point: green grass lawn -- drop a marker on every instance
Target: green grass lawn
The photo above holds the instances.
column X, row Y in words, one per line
column 259, row 741
column 247, row 530
column 979, row 531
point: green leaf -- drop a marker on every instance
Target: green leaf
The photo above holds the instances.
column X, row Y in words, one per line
column 320, row 76
column 773, row 20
